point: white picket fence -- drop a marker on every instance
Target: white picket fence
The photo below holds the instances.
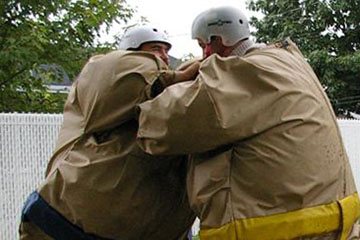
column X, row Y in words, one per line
column 27, row 141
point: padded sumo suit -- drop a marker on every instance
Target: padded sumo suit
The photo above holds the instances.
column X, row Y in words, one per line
column 99, row 184
column 267, row 158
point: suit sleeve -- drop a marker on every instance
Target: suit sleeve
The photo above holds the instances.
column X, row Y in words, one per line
column 232, row 99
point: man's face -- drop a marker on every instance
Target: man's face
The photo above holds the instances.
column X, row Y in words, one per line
column 159, row 49
column 215, row 46
column 205, row 48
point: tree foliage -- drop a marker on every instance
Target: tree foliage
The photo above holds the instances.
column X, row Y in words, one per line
column 58, row 33
column 327, row 32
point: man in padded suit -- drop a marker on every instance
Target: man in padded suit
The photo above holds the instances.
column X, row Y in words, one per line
column 99, row 184
column 266, row 156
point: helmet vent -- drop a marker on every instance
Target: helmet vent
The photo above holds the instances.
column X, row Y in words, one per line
column 155, row 30
column 241, row 21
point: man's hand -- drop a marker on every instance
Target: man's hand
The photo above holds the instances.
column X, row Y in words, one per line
column 185, row 73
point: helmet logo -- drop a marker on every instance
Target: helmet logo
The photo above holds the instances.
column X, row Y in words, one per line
column 219, row 22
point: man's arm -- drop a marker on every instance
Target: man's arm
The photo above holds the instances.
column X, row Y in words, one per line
column 170, row 77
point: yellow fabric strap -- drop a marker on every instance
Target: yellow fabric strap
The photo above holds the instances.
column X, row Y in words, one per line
column 350, row 210
column 305, row 222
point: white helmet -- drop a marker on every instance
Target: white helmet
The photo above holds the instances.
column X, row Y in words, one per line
column 227, row 22
column 135, row 36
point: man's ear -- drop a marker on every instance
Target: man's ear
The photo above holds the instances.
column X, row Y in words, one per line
column 218, row 40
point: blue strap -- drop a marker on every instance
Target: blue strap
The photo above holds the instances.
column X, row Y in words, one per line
column 39, row 212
